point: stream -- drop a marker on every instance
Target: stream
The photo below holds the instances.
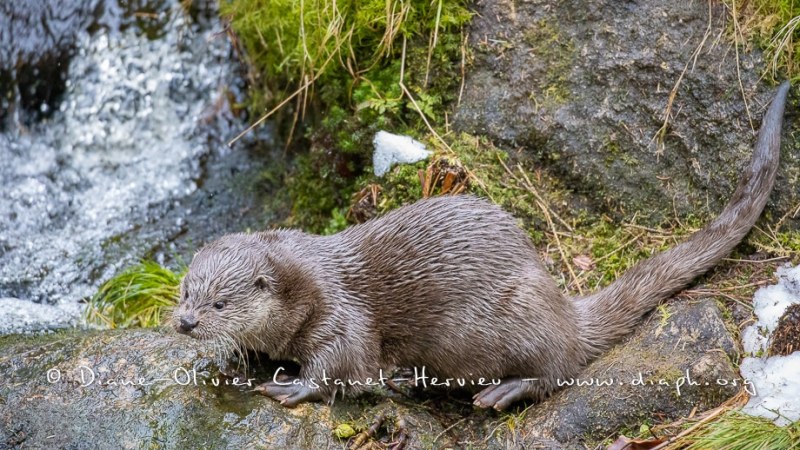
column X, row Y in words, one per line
column 112, row 148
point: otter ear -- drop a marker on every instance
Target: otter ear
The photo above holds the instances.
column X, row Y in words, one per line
column 262, row 283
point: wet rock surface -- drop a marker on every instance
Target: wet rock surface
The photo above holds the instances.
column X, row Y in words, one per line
column 153, row 389
column 670, row 365
column 585, row 86
column 674, row 356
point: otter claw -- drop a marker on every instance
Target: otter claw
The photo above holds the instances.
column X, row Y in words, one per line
column 290, row 393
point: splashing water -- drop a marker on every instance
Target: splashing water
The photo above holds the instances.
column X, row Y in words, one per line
column 136, row 122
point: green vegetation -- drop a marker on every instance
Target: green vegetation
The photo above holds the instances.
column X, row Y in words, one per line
column 774, row 25
column 340, row 71
column 343, row 52
column 344, row 431
column 136, row 297
column 738, row 431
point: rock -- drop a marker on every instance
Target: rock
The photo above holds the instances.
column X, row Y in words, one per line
column 690, row 345
column 584, row 86
column 47, row 400
column 128, row 389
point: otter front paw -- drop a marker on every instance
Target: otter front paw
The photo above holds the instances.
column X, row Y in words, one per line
column 501, row 396
column 290, row 392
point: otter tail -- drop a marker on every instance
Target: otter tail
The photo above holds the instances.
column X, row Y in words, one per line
column 613, row 312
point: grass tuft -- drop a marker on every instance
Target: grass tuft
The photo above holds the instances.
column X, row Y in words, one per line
column 774, row 25
column 738, row 431
column 340, row 45
column 137, row 297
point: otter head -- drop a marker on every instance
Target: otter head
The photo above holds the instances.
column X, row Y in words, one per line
column 228, row 283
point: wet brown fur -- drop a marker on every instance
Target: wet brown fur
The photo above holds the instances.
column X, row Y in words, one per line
column 449, row 283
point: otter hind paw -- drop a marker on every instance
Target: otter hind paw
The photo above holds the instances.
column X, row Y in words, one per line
column 290, row 392
column 501, row 396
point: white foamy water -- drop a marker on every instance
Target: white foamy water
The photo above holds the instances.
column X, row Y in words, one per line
column 137, row 119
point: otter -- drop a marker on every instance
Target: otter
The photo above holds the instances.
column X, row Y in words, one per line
column 450, row 284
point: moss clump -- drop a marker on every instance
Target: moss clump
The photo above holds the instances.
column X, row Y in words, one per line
column 350, row 62
column 335, row 47
column 137, row 297
column 556, row 52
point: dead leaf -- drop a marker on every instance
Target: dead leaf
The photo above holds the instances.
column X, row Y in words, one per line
column 623, row 443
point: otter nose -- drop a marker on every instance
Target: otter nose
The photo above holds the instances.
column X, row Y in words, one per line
column 187, row 324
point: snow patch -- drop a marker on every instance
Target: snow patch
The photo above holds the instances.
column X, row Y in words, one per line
column 777, row 378
column 392, row 148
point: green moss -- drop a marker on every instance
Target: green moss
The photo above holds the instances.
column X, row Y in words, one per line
column 348, row 58
column 136, row 297
column 556, row 52
column 400, row 186
column 348, row 48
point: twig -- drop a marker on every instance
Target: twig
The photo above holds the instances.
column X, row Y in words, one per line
column 756, row 261
column 725, row 407
column 737, row 34
column 448, row 429
column 613, row 252
column 661, row 133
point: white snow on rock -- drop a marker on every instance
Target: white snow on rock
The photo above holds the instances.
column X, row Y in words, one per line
column 392, row 148
column 777, row 378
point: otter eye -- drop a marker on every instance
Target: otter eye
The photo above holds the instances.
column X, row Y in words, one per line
column 219, row 305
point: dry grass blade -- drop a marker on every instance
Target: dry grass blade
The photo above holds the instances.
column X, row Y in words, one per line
column 739, row 39
column 283, row 103
column 434, row 38
column 783, row 42
column 424, row 119
column 737, row 401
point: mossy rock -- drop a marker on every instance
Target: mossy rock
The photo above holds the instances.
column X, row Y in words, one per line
column 584, row 87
